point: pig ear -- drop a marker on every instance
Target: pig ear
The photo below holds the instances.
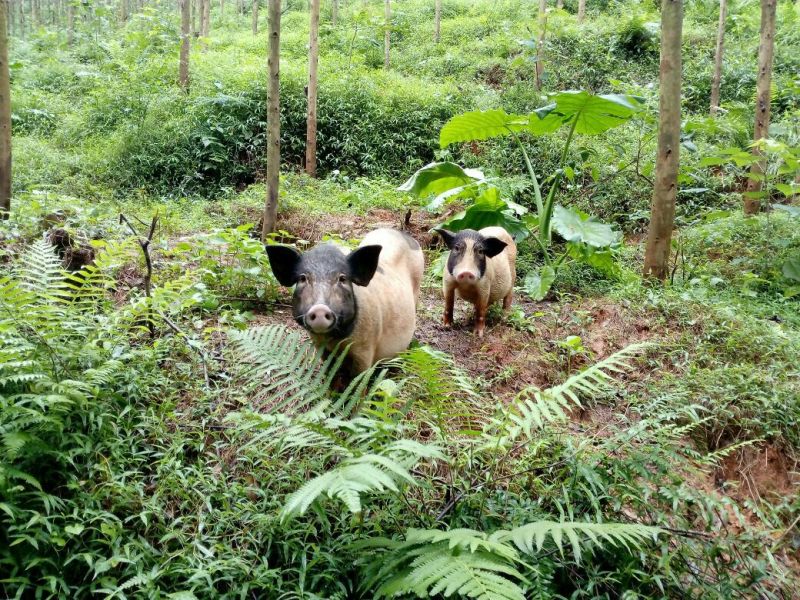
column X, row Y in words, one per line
column 363, row 263
column 284, row 261
column 447, row 236
column 493, row 246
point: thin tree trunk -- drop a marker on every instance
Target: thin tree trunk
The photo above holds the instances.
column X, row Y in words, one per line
column 335, row 12
column 540, row 43
column 255, row 17
column 437, row 22
column 238, row 7
column 313, row 61
column 183, row 67
column 581, row 10
column 123, row 10
column 195, row 6
column 22, row 18
column 662, row 209
column 716, row 81
column 205, row 18
column 5, row 116
column 387, row 34
column 766, row 49
column 70, row 22
column 221, row 8
column 273, row 120
column 560, row 4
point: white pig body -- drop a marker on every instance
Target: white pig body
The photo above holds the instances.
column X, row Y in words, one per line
column 480, row 269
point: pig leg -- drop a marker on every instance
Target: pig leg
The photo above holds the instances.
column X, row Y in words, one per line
column 449, row 301
column 507, row 300
column 480, row 318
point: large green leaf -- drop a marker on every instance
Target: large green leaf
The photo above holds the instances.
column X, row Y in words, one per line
column 488, row 210
column 595, row 114
column 788, row 208
column 575, row 226
column 791, row 268
column 538, row 283
column 443, row 179
column 545, row 120
column 481, row 125
column 601, row 259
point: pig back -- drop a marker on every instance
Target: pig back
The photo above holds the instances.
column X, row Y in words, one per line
column 387, row 306
column 501, row 269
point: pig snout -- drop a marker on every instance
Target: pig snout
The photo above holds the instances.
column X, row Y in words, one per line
column 319, row 318
column 466, row 276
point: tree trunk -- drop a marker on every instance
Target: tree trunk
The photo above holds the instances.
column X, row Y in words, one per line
column 717, row 79
column 255, row 17
column 581, row 10
column 387, row 34
column 437, row 22
column 662, row 209
column 273, row 119
column 335, row 12
column 540, row 43
column 205, row 18
column 766, row 48
column 560, row 4
column 195, row 4
column 123, row 10
column 221, row 8
column 311, row 117
column 5, row 116
column 70, row 22
column 22, row 18
column 183, row 68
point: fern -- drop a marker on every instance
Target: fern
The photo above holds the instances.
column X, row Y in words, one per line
column 460, row 562
column 472, row 564
column 530, row 538
column 534, row 409
column 282, row 368
column 369, row 473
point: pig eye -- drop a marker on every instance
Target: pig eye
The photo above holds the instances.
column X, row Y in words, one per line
column 342, row 279
column 302, row 279
column 480, row 252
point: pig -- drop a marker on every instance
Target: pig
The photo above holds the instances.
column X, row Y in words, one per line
column 367, row 297
column 481, row 269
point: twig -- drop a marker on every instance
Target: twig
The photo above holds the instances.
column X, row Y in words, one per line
column 171, row 324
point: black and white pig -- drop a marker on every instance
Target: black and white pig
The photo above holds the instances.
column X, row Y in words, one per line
column 481, row 269
column 367, row 296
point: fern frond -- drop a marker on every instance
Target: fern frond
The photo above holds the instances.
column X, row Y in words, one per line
column 530, row 538
column 282, row 367
column 459, row 562
column 347, row 481
column 534, row 409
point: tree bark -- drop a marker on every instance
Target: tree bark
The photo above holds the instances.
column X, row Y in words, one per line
column 205, row 18
column 560, row 4
column 123, row 10
column 662, row 209
column 195, row 5
column 311, row 117
column 437, row 22
column 540, row 43
column 221, row 8
column 716, row 81
column 581, row 10
column 335, row 12
column 387, row 34
column 273, row 120
column 5, row 116
column 766, row 50
column 70, row 22
column 183, row 67
column 255, row 17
